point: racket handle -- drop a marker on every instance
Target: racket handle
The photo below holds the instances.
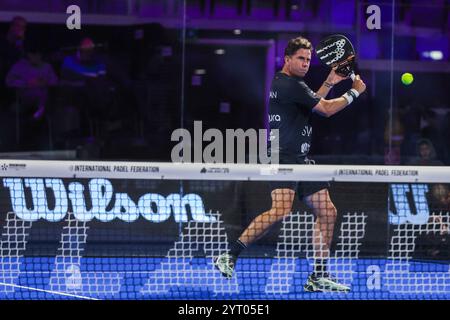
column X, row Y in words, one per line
column 352, row 76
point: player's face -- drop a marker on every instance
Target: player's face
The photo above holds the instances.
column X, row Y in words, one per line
column 298, row 64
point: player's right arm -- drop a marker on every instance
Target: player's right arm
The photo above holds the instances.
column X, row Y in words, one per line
column 327, row 108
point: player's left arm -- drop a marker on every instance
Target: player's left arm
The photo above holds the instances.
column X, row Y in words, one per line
column 327, row 108
column 332, row 80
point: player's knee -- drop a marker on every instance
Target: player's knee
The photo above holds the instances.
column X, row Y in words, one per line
column 279, row 213
column 329, row 213
column 332, row 212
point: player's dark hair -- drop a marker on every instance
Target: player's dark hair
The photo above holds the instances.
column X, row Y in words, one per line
column 296, row 44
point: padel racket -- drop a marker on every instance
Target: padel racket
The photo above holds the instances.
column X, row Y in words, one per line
column 337, row 51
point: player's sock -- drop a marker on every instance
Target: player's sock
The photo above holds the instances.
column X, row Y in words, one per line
column 237, row 247
column 320, row 268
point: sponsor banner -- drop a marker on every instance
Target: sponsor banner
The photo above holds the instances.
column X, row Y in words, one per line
column 234, row 172
column 137, row 212
column 114, row 168
column 215, row 170
column 376, row 173
column 13, row 167
column 123, row 214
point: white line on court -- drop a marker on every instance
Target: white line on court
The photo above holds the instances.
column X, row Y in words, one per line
column 47, row 291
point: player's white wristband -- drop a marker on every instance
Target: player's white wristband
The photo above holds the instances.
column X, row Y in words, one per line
column 351, row 95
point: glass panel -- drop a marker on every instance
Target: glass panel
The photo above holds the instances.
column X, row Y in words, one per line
column 101, row 87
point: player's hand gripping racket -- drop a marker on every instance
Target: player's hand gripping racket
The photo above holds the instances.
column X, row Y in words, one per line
column 337, row 51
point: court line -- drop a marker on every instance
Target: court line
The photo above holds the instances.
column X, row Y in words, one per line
column 48, row 291
column 205, row 271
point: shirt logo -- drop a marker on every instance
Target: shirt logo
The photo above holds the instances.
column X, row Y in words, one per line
column 274, row 117
column 305, row 147
column 307, row 131
column 273, row 94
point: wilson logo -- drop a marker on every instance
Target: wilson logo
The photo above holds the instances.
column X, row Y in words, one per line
column 408, row 204
column 49, row 199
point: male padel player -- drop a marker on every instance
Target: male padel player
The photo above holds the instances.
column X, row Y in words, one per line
column 291, row 105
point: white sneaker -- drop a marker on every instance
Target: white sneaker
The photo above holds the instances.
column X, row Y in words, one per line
column 324, row 284
column 225, row 264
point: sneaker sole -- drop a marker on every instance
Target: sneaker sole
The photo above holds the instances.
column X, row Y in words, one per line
column 312, row 288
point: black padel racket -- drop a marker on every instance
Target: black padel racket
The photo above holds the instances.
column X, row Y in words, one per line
column 337, row 51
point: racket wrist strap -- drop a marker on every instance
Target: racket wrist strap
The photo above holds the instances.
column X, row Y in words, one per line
column 351, row 95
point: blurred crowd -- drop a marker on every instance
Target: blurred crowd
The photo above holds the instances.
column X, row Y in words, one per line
column 79, row 95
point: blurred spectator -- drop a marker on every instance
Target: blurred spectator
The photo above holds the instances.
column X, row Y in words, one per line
column 31, row 79
column 12, row 46
column 433, row 130
column 411, row 115
column 440, row 208
column 31, row 76
column 434, row 240
column 440, row 197
column 87, row 87
column 11, row 51
column 85, row 64
column 426, row 155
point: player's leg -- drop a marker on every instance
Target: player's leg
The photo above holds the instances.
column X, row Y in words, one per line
column 325, row 212
column 282, row 200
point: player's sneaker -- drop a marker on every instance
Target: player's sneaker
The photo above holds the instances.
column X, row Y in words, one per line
column 324, row 284
column 225, row 264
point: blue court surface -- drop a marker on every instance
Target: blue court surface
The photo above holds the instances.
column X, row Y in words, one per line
column 256, row 278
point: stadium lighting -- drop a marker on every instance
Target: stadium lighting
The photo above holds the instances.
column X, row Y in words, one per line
column 433, row 55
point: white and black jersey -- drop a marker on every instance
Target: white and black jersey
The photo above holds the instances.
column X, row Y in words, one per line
column 290, row 108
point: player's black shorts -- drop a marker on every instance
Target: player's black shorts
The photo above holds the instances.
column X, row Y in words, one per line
column 302, row 188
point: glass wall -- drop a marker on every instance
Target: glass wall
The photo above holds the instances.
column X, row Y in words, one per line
column 138, row 70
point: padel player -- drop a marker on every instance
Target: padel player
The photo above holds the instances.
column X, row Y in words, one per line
column 291, row 105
